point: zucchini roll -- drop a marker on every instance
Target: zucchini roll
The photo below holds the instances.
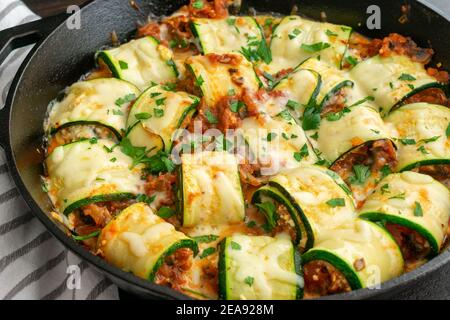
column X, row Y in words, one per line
column 140, row 242
column 277, row 143
column 142, row 62
column 157, row 114
column 357, row 145
column 362, row 255
column 99, row 102
column 415, row 208
column 259, row 267
column 296, row 39
column 233, row 34
column 218, row 75
column 391, row 80
column 210, row 189
column 422, row 131
column 337, row 88
column 90, row 171
column 310, row 198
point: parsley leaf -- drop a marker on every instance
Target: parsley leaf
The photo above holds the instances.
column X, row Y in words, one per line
column 159, row 113
column 235, row 245
column 303, row 153
column 269, row 210
column 212, row 119
column 165, row 212
column 125, row 99
column 418, row 212
column 123, row 65
column 198, row 4
column 315, row 47
column 207, row 252
column 249, row 280
column 311, row 119
column 206, row 238
column 145, row 198
column 143, row 116
column 293, row 104
column 361, row 174
column 336, row 202
column 407, row 141
column 406, row 77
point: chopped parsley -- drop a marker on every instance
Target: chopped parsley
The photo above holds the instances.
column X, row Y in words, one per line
column 123, row 65
column 117, row 112
column 199, row 81
column 212, row 119
column 303, row 153
column 93, row 140
column 249, row 280
column 384, row 188
column 285, row 115
column 269, row 210
column 399, row 196
column 407, row 141
column 114, row 159
column 165, row 212
column 315, row 136
column 422, row 150
column 352, row 61
column 428, row 140
column 311, row 119
column 336, row 202
column 159, row 113
column 235, row 106
column 271, row 136
column 198, row 4
column 406, row 77
column 294, row 34
column 331, row 33
column 361, row 174
column 418, row 212
column 315, row 47
column 337, row 115
column 143, row 116
column 207, row 252
column 145, row 198
column 251, row 224
column 125, row 99
column 206, row 238
column 293, row 104
column 235, row 245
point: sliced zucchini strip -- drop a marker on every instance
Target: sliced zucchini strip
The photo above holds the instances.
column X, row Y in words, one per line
column 421, row 132
column 341, row 132
column 159, row 113
column 142, row 62
column 90, row 171
column 138, row 241
column 210, row 189
column 259, row 268
column 334, row 81
column 227, row 35
column 390, row 80
column 413, row 200
column 101, row 101
column 277, row 143
column 321, row 198
column 302, row 87
column 296, row 39
column 216, row 79
column 364, row 253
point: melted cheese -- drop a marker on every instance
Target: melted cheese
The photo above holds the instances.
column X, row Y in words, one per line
column 147, row 62
column 92, row 101
column 287, row 48
column 402, row 193
column 217, row 81
column 381, row 77
column 269, row 261
column 211, row 189
column 420, row 121
column 136, row 240
column 286, row 139
column 164, row 112
column 226, row 35
column 365, row 242
column 82, row 170
column 362, row 124
column 311, row 187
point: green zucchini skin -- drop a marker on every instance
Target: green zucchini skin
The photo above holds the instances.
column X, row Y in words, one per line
column 339, row 86
column 278, row 197
column 342, row 266
column 436, row 85
column 224, row 281
column 99, row 198
column 184, row 243
column 105, row 57
column 430, row 162
column 116, row 133
column 383, row 218
column 305, row 223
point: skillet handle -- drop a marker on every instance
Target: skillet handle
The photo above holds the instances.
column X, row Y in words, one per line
column 26, row 34
column 17, row 37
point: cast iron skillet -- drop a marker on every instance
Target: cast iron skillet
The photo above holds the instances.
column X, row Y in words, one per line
column 63, row 55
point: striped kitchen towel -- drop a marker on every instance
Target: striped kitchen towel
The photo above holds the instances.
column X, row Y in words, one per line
column 34, row 265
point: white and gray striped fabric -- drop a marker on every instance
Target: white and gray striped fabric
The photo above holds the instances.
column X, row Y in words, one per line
column 34, row 265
